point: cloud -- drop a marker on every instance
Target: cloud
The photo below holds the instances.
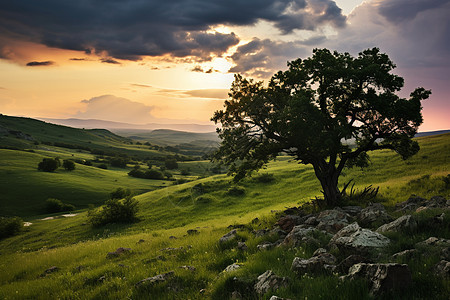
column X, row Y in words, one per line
column 112, row 108
column 110, row 61
column 404, row 10
column 131, row 29
column 77, row 59
column 40, row 63
column 208, row 93
column 201, row 70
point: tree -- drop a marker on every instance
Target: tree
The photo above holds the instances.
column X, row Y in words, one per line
column 171, row 163
column 49, row 164
column 328, row 110
column 68, row 164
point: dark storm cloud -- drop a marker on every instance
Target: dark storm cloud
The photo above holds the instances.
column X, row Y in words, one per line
column 130, row 29
column 404, row 10
column 110, row 61
column 39, row 63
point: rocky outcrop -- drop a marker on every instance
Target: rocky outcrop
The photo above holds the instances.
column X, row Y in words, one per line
column 155, row 279
column 373, row 214
column 404, row 223
column 406, row 254
column 442, row 269
column 434, row 241
column 228, row 236
column 349, row 261
column 288, row 222
column 119, row 251
column 232, row 267
column 269, row 281
column 382, row 277
column 355, row 238
column 301, row 234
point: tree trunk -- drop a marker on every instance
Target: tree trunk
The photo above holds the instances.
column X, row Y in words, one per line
column 328, row 176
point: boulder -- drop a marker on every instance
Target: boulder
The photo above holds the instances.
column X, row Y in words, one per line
column 288, row 222
column 49, row 271
column 301, row 234
column 228, row 237
column 242, row 246
column 190, row 268
column 155, row 279
column 352, row 211
column 445, row 253
column 374, row 213
column 349, row 261
column 269, row 281
column 260, row 232
column 406, row 254
column 315, row 265
column 412, row 203
column 278, row 232
column 332, row 220
column 192, row 232
column 404, row 223
column 442, row 269
column 382, row 277
column 355, row 238
column 232, row 267
column 277, row 298
column 266, row 246
column 434, row 241
column 438, row 202
column 118, row 252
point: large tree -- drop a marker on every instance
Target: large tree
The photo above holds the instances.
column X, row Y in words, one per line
column 328, row 110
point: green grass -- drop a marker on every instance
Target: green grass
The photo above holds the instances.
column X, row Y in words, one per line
column 80, row 251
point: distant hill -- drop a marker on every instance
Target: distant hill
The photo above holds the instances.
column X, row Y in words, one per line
column 428, row 133
column 94, row 123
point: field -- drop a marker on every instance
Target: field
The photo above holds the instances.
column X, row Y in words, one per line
column 207, row 205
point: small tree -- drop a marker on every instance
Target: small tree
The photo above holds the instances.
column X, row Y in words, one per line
column 115, row 211
column 171, row 164
column 314, row 111
column 120, row 193
column 69, row 165
column 49, row 164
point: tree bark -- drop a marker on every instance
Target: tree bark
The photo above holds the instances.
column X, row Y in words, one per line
column 328, row 176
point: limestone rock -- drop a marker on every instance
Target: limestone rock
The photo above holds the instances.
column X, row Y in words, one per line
column 404, row 223
column 155, row 279
column 118, row 252
column 269, row 281
column 49, row 271
column 349, row 261
column 434, row 241
column 412, row 203
column 375, row 213
column 300, row 234
column 242, row 246
column 232, row 267
column 315, row 265
column 353, row 237
column 277, row 298
column 288, row 222
column 332, row 220
column 442, row 269
column 406, row 254
column 352, row 211
column 382, row 277
column 228, row 237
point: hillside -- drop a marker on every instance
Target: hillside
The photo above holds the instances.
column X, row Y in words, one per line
column 209, row 206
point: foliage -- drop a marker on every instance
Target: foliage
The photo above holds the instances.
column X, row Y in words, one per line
column 115, row 211
column 236, row 191
column 68, row 164
column 119, row 162
column 10, row 226
column 120, row 193
column 313, row 110
column 171, row 164
column 49, row 164
column 53, row 205
column 265, row 178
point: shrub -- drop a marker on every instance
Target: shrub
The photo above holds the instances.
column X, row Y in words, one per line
column 171, row 163
column 154, row 174
column 10, row 226
column 69, row 165
column 119, row 162
column 115, row 211
column 236, row 191
column 49, row 164
column 120, row 193
column 54, row 205
column 265, row 178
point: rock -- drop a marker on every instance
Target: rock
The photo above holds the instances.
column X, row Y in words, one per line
column 269, row 281
column 236, row 295
column 349, row 261
column 277, row 298
column 192, row 232
column 404, row 223
column 382, row 277
column 352, row 211
column 260, row 232
column 332, row 220
column 442, row 269
column 312, row 221
column 412, row 203
column 445, row 253
column 172, row 237
column 141, row 241
column 118, row 252
column 155, row 279
column 242, row 246
column 190, row 268
column 355, row 238
column 375, row 213
column 232, row 267
column 319, row 251
column 406, row 254
column 228, row 237
column 49, row 271
column 288, row 222
column 301, row 234
column 434, row 241
column 437, row 202
column 315, row 265
column 266, row 246
column 278, row 232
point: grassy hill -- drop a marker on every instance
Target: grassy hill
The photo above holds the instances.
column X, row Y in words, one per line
column 208, row 205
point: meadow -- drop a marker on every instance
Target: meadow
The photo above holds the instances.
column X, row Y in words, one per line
column 162, row 239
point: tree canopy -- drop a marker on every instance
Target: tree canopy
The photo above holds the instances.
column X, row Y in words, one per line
column 328, row 110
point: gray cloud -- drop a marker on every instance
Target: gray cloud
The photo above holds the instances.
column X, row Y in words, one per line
column 110, row 61
column 130, row 29
column 40, row 63
column 404, row 10
column 112, row 108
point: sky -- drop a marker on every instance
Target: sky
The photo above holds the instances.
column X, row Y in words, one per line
column 156, row 61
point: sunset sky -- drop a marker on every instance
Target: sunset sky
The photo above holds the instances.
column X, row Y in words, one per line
column 139, row 61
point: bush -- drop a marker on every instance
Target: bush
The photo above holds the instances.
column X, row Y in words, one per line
column 49, row 164
column 171, row 163
column 69, row 165
column 10, row 226
column 54, row 205
column 154, row 174
column 115, row 211
column 119, row 162
column 120, row 193
column 265, row 178
column 236, row 191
